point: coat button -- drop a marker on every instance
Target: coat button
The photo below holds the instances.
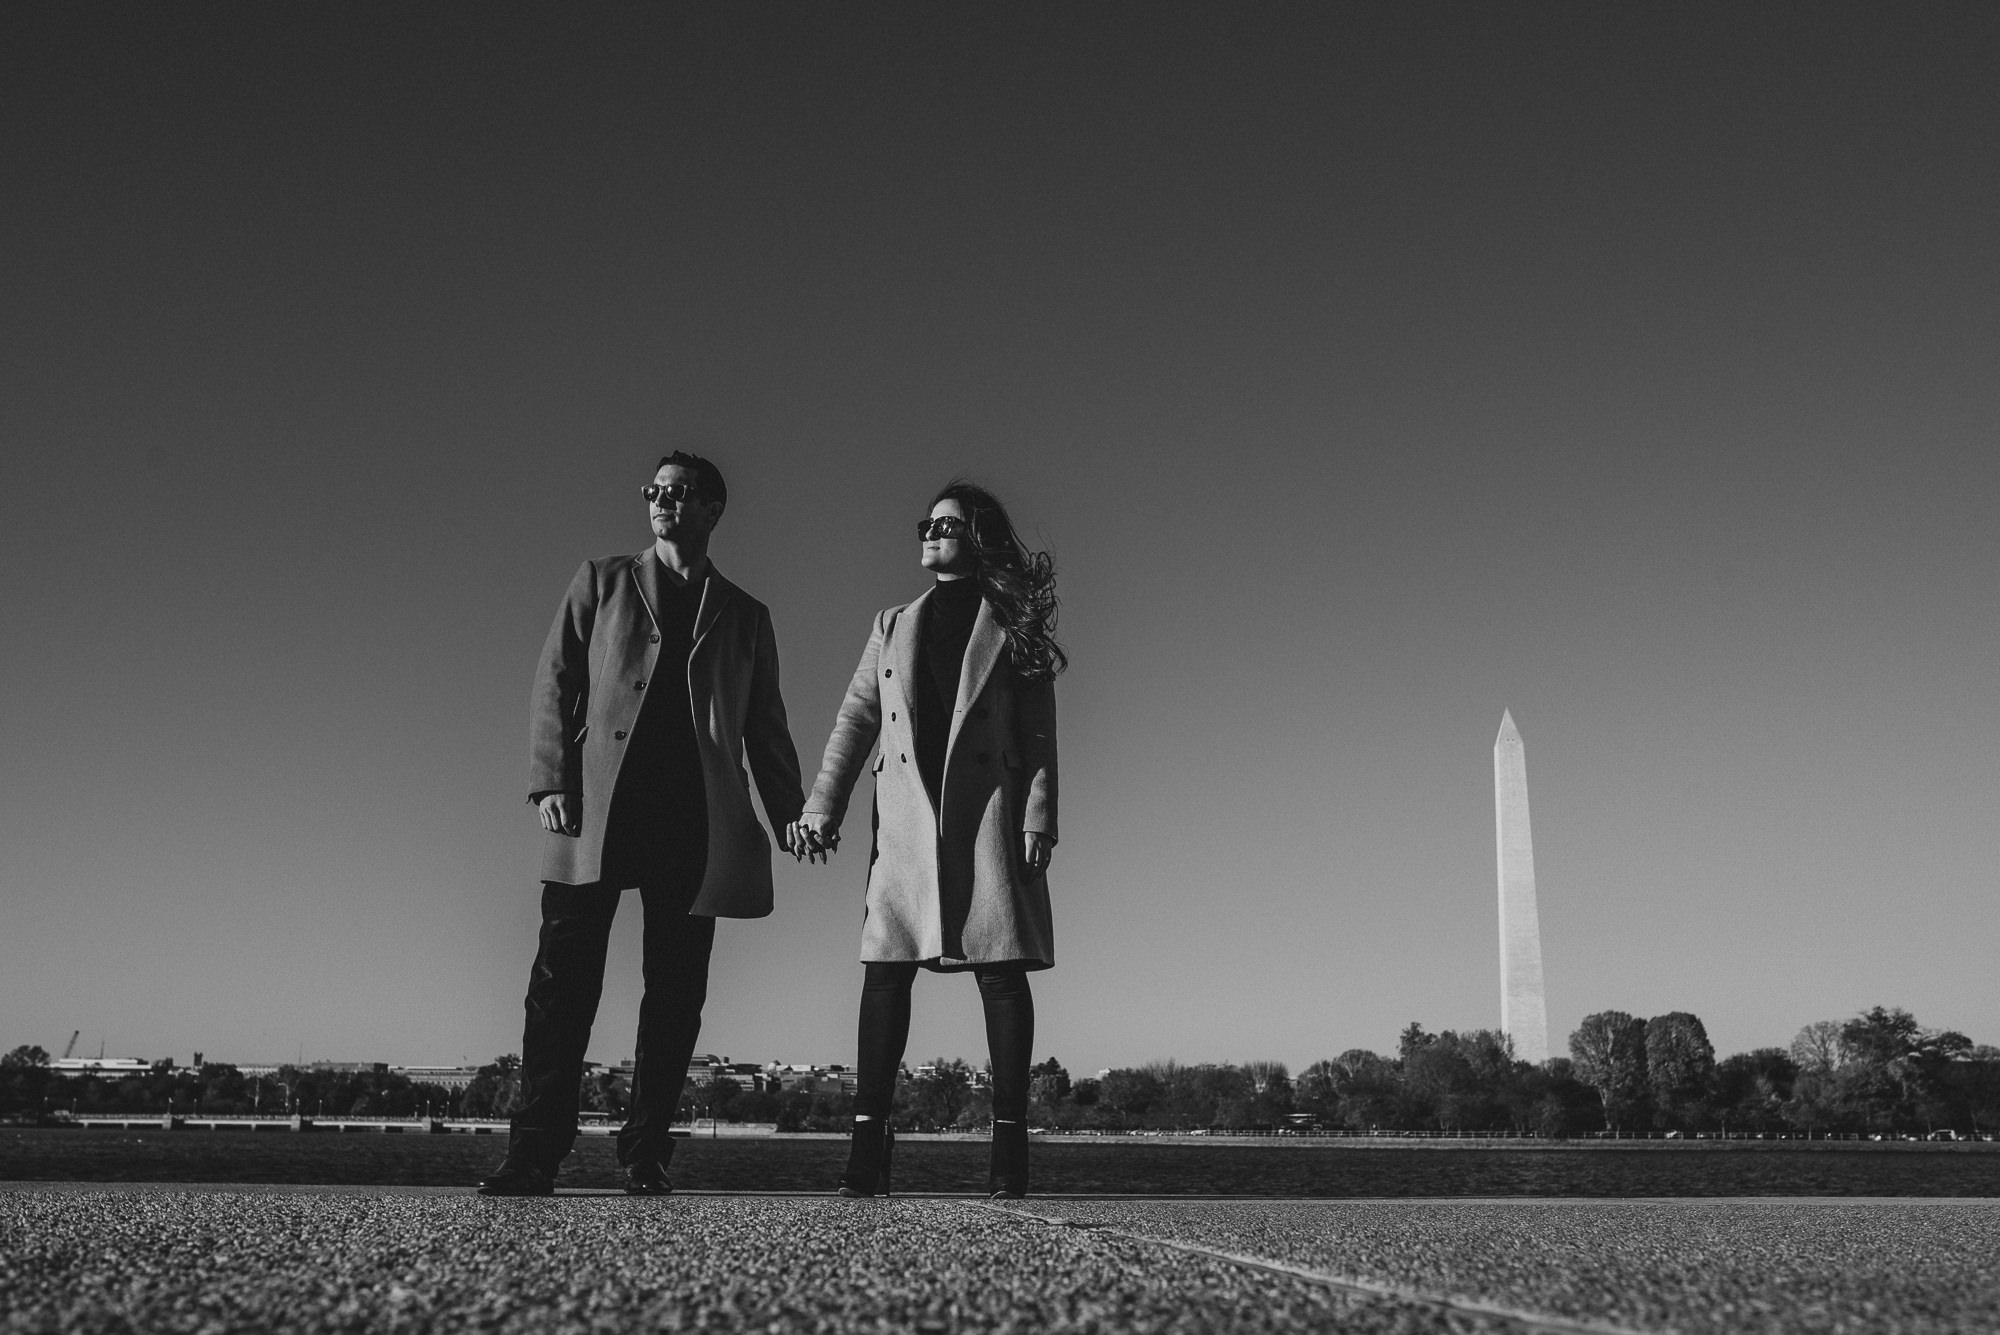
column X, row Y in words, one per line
column 981, row 757
column 888, row 672
column 892, row 716
column 652, row 639
column 638, row 685
column 906, row 759
column 619, row 735
column 979, row 712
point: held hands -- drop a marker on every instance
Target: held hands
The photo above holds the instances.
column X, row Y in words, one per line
column 815, row 837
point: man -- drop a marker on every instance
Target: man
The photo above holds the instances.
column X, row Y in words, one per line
column 658, row 680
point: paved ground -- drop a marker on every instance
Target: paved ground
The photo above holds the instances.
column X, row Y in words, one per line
column 1818, row 1264
column 228, row 1259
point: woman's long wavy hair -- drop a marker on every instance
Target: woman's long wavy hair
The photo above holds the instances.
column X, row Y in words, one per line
column 1019, row 583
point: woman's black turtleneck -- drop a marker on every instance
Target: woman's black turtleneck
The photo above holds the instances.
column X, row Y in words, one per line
column 948, row 616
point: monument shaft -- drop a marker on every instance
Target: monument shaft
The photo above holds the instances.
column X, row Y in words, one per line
column 1523, row 1011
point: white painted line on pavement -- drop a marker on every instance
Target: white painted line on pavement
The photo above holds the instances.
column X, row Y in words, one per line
column 1533, row 1321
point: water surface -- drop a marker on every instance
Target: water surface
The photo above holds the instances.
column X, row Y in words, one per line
column 784, row 1164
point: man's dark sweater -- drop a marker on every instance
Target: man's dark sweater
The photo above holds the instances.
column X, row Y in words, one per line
column 947, row 628
column 659, row 812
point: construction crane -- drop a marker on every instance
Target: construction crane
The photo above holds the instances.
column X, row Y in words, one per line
column 71, row 1045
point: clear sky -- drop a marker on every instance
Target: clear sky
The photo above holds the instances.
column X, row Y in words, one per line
column 1368, row 371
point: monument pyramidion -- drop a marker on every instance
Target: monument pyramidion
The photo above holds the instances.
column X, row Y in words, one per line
column 1524, row 1014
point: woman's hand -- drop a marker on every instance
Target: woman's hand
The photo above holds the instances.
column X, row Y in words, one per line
column 816, row 836
column 1036, row 849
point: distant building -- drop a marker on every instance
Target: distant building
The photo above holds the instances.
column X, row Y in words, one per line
column 784, row 1077
column 790, row 1077
column 710, row 1067
column 453, row 1078
column 981, row 1077
column 101, row 1066
column 830, row 1079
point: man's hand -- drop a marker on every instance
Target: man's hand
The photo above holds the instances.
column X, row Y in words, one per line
column 1036, row 849
column 562, row 813
column 815, row 836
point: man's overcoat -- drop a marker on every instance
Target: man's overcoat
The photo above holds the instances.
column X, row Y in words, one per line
column 947, row 886
column 601, row 660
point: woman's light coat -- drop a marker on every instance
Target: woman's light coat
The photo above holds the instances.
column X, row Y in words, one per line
column 948, row 887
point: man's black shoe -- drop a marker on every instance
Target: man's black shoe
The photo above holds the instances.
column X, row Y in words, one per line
column 516, row 1178
column 648, row 1177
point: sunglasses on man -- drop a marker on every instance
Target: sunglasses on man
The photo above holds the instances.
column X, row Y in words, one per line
column 657, row 494
column 942, row 527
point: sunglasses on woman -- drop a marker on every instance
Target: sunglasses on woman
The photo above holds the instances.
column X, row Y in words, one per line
column 672, row 491
column 942, row 527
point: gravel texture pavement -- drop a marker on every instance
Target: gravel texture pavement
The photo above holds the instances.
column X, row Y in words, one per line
column 1684, row 1265
column 231, row 1259
column 228, row 1261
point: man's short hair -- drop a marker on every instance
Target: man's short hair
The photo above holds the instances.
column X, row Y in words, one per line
column 707, row 477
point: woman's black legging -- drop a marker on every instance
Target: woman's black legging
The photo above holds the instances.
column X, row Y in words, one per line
column 885, row 1029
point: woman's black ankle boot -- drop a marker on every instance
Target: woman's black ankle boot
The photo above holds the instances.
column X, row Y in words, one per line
column 868, row 1156
column 1007, row 1179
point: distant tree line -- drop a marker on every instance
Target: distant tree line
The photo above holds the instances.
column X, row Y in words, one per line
column 29, row 1089
column 943, row 1094
column 1880, row 1072
column 1877, row 1073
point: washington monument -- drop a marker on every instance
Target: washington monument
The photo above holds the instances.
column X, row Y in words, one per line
column 1523, row 1013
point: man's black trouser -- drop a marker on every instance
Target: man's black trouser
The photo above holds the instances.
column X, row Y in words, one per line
column 562, row 1002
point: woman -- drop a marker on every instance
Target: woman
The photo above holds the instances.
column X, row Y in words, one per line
column 958, row 686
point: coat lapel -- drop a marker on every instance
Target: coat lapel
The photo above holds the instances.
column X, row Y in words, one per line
column 982, row 653
column 715, row 595
column 646, row 577
column 651, row 578
column 903, row 649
